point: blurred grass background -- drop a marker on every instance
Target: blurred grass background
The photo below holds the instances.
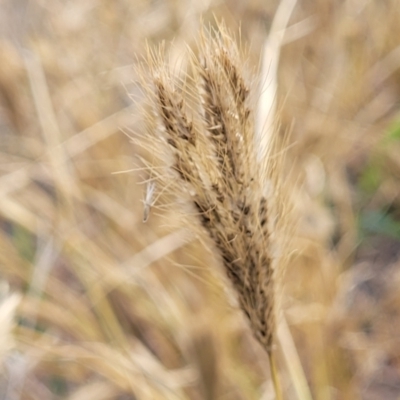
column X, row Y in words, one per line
column 94, row 304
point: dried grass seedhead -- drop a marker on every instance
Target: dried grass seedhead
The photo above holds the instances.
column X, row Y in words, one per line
column 209, row 153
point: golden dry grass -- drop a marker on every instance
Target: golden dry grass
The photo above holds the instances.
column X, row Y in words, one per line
column 96, row 304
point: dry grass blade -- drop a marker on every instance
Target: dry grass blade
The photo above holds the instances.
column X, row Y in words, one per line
column 266, row 113
column 8, row 306
column 97, row 390
column 205, row 356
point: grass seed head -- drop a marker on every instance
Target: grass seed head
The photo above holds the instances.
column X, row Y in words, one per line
column 214, row 164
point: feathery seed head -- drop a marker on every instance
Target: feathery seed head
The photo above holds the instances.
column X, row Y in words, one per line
column 215, row 165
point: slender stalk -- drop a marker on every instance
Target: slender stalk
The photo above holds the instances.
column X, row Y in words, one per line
column 293, row 363
column 275, row 377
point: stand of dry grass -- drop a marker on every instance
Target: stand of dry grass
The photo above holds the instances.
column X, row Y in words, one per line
column 98, row 305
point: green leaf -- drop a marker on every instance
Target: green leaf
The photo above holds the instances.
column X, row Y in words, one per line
column 371, row 178
column 393, row 134
column 378, row 222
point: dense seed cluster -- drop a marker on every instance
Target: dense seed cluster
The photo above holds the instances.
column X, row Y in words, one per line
column 216, row 162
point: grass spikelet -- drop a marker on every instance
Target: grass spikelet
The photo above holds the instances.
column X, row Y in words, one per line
column 211, row 161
